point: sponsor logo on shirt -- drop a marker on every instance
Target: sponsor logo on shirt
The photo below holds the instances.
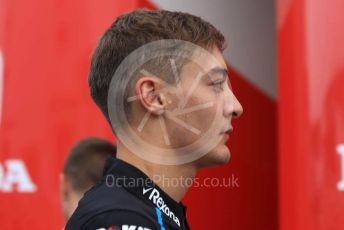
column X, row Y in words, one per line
column 155, row 197
column 125, row 227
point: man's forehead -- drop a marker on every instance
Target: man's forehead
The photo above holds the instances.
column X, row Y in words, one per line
column 209, row 59
column 205, row 65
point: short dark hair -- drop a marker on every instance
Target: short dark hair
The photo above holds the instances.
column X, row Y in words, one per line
column 85, row 162
column 131, row 31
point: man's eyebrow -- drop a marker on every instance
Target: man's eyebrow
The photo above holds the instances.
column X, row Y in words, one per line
column 218, row 70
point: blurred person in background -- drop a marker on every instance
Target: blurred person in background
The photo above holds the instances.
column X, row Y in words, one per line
column 83, row 168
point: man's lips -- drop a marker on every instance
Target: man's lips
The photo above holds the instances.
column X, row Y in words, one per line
column 226, row 133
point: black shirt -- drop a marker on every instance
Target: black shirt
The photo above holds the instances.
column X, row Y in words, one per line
column 127, row 199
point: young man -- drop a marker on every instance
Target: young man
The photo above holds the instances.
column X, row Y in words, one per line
column 83, row 168
column 161, row 81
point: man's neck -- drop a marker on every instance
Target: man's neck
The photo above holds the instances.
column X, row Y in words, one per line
column 172, row 179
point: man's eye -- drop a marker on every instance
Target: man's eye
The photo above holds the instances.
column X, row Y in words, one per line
column 218, row 84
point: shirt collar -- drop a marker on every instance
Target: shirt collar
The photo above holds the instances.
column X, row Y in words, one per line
column 137, row 182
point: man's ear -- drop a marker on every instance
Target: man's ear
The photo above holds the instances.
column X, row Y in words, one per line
column 69, row 200
column 152, row 97
column 64, row 187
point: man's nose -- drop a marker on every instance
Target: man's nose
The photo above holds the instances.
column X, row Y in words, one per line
column 232, row 107
column 238, row 109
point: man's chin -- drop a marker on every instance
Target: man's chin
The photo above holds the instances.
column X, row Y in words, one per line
column 218, row 156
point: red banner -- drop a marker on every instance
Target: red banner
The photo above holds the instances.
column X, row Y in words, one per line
column 311, row 114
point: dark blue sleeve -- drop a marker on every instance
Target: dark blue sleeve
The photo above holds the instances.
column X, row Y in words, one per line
column 120, row 220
